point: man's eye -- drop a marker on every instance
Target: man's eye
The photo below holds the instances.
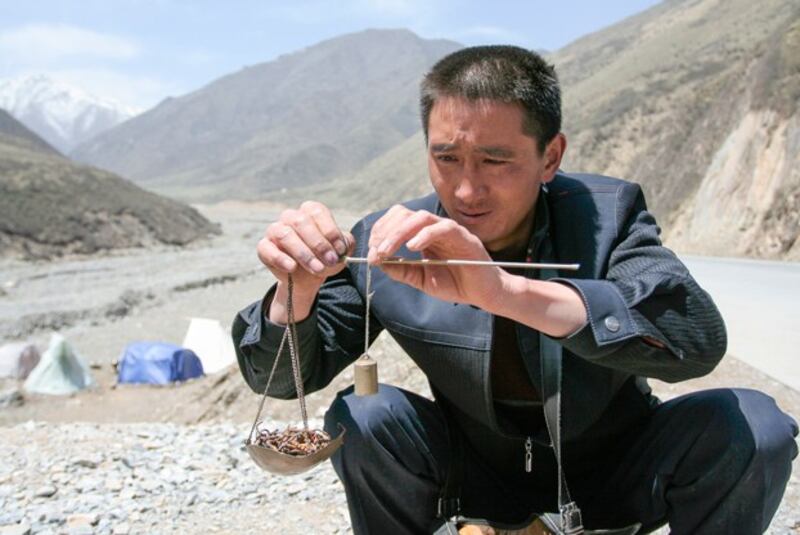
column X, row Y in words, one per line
column 445, row 158
column 492, row 161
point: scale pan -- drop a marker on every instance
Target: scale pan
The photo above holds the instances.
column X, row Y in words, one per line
column 288, row 465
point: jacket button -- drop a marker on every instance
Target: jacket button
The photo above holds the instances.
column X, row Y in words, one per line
column 612, row 324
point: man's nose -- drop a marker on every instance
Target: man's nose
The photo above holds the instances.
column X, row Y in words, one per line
column 470, row 188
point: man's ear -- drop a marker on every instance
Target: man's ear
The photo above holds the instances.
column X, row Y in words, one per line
column 553, row 153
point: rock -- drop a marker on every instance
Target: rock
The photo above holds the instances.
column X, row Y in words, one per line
column 150, row 485
column 11, row 397
column 123, row 528
column 128, row 494
column 295, row 489
column 113, row 484
column 82, row 519
column 86, row 463
column 45, row 492
column 23, row 528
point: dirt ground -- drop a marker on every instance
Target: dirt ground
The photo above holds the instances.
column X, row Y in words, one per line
column 224, row 397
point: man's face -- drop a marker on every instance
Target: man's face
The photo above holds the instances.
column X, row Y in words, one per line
column 486, row 171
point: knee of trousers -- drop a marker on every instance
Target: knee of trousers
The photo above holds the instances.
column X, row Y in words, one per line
column 748, row 427
column 376, row 426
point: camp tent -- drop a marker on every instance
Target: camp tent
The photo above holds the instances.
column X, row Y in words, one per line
column 60, row 371
column 211, row 343
column 18, row 359
column 157, row 363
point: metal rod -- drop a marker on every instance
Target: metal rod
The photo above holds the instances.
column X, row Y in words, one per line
column 457, row 262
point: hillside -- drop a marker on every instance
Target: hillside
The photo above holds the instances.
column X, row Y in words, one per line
column 697, row 101
column 51, row 207
column 300, row 120
column 12, row 132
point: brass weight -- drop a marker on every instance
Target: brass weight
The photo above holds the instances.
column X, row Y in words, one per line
column 365, row 376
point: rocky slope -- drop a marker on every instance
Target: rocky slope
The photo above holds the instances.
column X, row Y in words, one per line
column 50, row 206
column 697, row 101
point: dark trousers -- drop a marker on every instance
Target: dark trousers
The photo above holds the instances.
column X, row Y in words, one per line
column 715, row 461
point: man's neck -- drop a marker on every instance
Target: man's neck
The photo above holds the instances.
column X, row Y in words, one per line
column 517, row 242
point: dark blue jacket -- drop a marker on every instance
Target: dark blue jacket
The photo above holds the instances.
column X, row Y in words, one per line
column 632, row 287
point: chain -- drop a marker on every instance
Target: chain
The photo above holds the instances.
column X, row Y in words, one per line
column 269, row 382
column 290, row 335
column 294, row 353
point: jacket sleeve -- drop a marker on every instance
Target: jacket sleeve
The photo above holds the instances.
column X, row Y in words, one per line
column 647, row 292
column 330, row 338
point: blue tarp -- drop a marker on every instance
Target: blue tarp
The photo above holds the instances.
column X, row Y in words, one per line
column 158, row 363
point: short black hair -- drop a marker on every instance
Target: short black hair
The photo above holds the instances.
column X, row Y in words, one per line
column 503, row 73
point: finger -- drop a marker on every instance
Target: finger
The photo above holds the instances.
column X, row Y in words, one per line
column 386, row 223
column 291, row 244
column 350, row 242
column 326, row 224
column 308, row 232
column 390, row 220
column 413, row 276
column 442, row 229
column 275, row 259
column 405, row 230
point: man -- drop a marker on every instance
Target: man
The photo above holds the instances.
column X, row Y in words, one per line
column 711, row 462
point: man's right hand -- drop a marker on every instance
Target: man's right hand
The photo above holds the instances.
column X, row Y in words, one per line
column 307, row 243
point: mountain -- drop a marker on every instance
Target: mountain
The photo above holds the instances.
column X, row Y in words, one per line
column 399, row 174
column 51, row 207
column 61, row 114
column 300, row 120
column 697, row 100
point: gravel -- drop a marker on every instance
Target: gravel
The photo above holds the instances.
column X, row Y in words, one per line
column 155, row 478
column 170, row 478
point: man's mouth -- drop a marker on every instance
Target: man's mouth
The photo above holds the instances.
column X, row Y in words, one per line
column 472, row 216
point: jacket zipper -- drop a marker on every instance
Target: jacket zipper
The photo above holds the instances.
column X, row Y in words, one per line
column 528, row 454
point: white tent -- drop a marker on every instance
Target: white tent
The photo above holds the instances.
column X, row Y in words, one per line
column 18, row 359
column 211, row 343
column 61, row 370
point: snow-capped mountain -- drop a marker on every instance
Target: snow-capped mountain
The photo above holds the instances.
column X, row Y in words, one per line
column 60, row 113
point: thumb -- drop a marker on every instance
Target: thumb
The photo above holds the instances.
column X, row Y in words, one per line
column 350, row 241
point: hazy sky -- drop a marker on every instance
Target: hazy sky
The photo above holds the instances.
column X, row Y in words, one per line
column 139, row 52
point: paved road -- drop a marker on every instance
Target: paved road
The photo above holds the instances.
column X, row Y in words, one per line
column 760, row 301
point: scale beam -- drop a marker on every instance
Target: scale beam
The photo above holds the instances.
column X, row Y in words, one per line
column 458, row 262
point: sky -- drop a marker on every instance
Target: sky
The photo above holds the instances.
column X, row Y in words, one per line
column 138, row 52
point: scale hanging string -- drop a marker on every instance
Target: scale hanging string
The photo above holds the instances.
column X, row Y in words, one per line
column 368, row 285
column 365, row 375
